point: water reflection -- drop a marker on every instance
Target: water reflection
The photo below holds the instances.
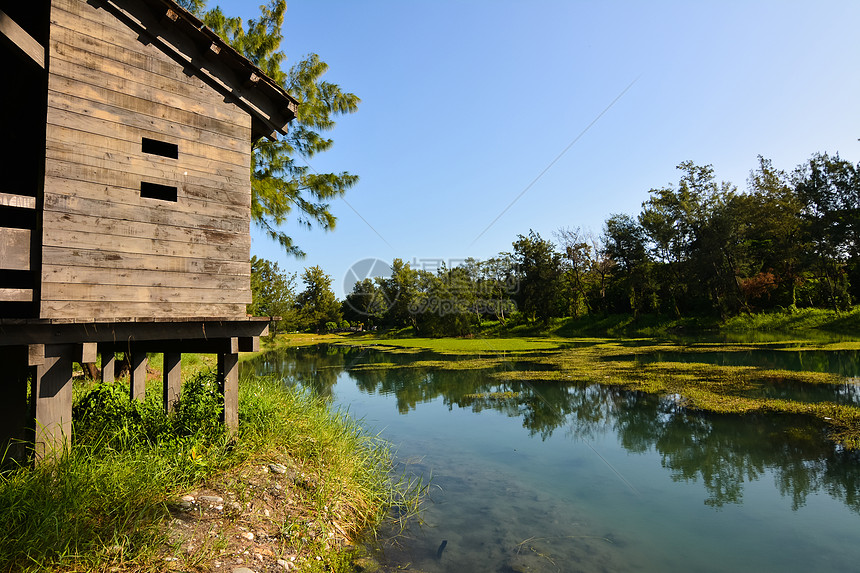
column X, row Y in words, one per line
column 721, row 452
column 842, row 362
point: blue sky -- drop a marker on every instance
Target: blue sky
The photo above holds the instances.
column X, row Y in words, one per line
column 465, row 103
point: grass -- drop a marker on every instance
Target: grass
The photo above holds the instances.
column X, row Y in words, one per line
column 457, row 346
column 520, row 335
column 799, row 319
column 650, row 325
column 102, row 503
column 286, row 340
column 599, row 325
column 353, row 467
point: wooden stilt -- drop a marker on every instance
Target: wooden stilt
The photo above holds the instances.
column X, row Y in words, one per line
column 138, row 376
column 108, row 366
column 52, row 396
column 172, row 379
column 13, row 403
column 228, row 382
column 40, row 411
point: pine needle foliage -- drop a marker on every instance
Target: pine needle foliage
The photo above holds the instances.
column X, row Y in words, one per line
column 283, row 183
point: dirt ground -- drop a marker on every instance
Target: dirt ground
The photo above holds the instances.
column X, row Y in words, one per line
column 254, row 517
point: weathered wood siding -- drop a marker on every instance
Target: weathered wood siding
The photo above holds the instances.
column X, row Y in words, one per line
column 108, row 251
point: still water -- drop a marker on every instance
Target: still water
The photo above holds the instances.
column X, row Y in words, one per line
column 842, row 362
column 571, row 477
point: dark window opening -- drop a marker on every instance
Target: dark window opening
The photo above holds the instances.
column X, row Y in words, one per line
column 17, row 218
column 162, row 148
column 156, row 191
column 18, row 279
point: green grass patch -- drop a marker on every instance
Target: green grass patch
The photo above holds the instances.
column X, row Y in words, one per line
column 102, row 503
column 463, row 345
column 463, row 364
column 601, row 325
column 288, row 340
column 806, row 320
column 798, row 319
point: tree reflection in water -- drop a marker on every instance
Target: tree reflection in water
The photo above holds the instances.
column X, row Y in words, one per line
column 723, row 451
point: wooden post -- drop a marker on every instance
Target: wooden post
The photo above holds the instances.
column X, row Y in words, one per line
column 37, row 354
column 172, row 379
column 85, row 353
column 138, row 376
column 13, row 402
column 52, row 397
column 228, row 384
column 108, row 366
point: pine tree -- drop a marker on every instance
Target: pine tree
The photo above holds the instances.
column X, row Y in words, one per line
column 282, row 183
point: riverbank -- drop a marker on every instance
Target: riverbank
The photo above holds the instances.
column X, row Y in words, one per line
column 806, row 320
column 143, row 491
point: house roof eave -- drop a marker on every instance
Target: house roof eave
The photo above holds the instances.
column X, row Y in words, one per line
column 185, row 38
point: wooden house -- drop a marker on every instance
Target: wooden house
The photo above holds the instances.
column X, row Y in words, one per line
column 125, row 201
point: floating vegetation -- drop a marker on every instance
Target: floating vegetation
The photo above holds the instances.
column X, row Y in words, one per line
column 716, row 388
column 507, row 395
column 531, row 375
column 461, row 346
column 464, row 364
column 379, row 366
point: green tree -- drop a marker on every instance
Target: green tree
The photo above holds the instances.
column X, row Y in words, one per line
column 672, row 220
column 196, row 7
column 774, row 237
column 470, row 283
column 693, row 233
column 273, row 294
column 603, row 267
column 577, row 254
column 282, row 183
column 365, row 304
column 540, row 276
column 717, row 256
column 449, row 304
column 498, row 284
column 829, row 189
column 317, row 303
column 402, row 293
column 625, row 246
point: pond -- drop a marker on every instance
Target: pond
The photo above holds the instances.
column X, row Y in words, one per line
column 575, row 477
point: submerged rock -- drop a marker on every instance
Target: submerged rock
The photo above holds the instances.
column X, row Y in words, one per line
column 366, row 564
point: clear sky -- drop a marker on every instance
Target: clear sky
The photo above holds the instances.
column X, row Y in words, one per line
column 465, row 103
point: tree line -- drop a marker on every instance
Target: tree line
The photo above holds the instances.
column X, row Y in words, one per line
column 698, row 248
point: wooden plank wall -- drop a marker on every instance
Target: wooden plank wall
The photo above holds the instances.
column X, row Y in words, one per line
column 107, row 251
